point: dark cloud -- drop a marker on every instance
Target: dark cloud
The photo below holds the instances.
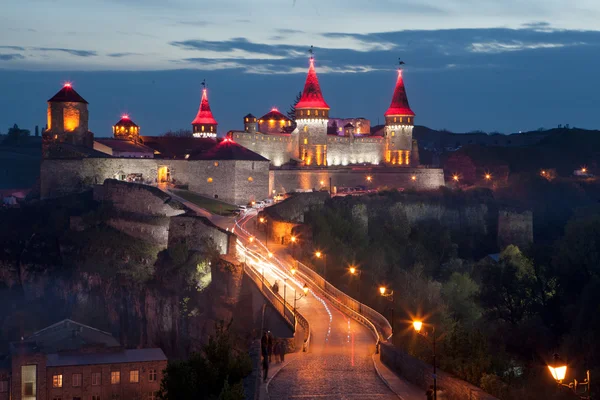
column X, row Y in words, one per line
column 10, row 57
column 78, row 53
column 239, row 44
column 19, row 48
column 119, row 55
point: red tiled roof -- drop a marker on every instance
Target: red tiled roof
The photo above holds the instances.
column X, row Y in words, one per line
column 399, row 105
column 312, row 96
column 227, row 149
column 274, row 114
column 204, row 115
column 176, row 147
column 124, row 145
column 67, row 95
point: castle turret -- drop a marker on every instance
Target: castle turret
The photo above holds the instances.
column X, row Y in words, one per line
column 250, row 123
column 68, row 119
column 399, row 120
column 312, row 116
column 204, row 125
column 126, row 129
column 274, row 122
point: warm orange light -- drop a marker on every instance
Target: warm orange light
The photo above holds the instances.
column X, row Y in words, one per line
column 251, row 239
column 369, row 178
column 318, row 254
column 414, row 178
column 352, row 270
column 488, row 177
column 209, row 180
column 322, row 183
column 305, row 289
column 70, row 119
column 293, row 271
column 253, row 202
column 558, row 373
column 543, row 172
column 270, row 255
column 455, row 178
column 293, row 239
column 382, row 290
column 584, row 170
column 261, row 220
column 417, row 325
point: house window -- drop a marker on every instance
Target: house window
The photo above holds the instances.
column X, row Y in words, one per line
column 152, row 375
column 3, row 386
column 305, row 141
column 134, row 376
column 393, row 133
column 152, row 395
column 115, row 377
column 28, row 381
column 76, row 380
column 216, row 164
column 57, row 381
column 96, row 378
column 209, row 180
column 308, row 112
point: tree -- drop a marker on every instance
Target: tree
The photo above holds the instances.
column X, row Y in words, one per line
column 16, row 135
column 460, row 293
column 214, row 373
column 291, row 114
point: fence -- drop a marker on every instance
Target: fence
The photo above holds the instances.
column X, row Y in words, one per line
column 274, row 299
column 364, row 314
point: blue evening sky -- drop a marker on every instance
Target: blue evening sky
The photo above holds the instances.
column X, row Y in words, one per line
column 494, row 65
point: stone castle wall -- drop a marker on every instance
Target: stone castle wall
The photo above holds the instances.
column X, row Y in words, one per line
column 279, row 149
column 474, row 218
column 515, row 228
column 192, row 229
column 284, row 181
column 156, row 232
column 354, row 150
column 60, row 177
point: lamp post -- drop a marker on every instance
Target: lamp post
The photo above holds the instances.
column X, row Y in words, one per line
column 558, row 369
column 263, row 220
column 319, row 254
column 418, row 326
column 305, row 292
column 389, row 296
column 356, row 272
column 293, row 239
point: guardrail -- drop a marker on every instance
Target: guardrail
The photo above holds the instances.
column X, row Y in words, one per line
column 306, row 327
column 276, row 300
column 365, row 314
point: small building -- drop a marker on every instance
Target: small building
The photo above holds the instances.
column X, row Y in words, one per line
column 126, row 129
column 69, row 360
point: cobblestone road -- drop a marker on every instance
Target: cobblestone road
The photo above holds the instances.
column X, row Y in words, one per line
column 338, row 364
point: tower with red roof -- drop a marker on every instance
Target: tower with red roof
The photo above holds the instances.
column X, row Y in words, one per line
column 67, row 119
column 399, row 120
column 312, row 116
column 126, row 129
column 204, row 125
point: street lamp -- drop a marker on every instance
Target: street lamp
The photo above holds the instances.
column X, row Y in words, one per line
column 293, row 271
column 263, row 220
column 270, row 254
column 418, row 326
column 455, row 178
column 251, row 239
column 488, row 177
column 356, row 272
column 389, row 296
column 318, row 254
column 558, row 370
column 305, row 292
column 413, row 178
column 293, row 239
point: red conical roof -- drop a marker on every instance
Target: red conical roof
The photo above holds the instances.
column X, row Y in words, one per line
column 67, row 95
column 312, row 96
column 399, row 104
column 204, row 115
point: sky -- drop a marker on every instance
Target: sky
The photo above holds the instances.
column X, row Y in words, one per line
column 491, row 65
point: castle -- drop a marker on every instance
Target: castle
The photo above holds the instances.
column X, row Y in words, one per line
column 273, row 153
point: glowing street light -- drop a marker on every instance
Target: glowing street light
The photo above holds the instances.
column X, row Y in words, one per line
column 305, row 290
column 369, row 178
column 352, row 270
column 584, row 170
column 488, row 177
column 293, row 239
column 389, row 296
column 322, row 183
column 382, row 290
column 293, row 271
column 318, row 254
column 455, row 178
column 413, row 178
column 251, row 239
column 270, row 255
column 418, row 325
column 261, row 220
column 355, row 272
column 558, row 370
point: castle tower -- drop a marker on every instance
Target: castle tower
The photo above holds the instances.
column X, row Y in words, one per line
column 204, row 125
column 312, row 115
column 399, row 120
column 68, row 119
column 250, row 124
column 126, row 129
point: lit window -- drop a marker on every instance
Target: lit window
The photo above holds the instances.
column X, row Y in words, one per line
column 250, row 179
column 400, row 119
column 209, row 180
column 115, row 377
column 393, row 133
column 246, row 119
column 134, row 376
column 152, row 375
column 202, row 128
column 57, row 381
column 76, row 380
column 308, row 112
column 216, row 163
column 305, row 141
column 28, row 380
column 96, row 378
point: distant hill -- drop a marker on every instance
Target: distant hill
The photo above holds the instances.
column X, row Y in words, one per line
column 20, row 163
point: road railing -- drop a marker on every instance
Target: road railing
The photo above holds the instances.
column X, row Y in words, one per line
column 382, row 330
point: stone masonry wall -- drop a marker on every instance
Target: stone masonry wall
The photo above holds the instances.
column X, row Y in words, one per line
column 192, row 229
column 293, row 208
column 419, row 373
column 279, row 149
column 251, row 181
column 353, row 150
column 515, row 228
column 284, row 181
column 156, row 232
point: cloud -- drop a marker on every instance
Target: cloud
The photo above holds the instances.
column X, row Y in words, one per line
column 10, row 57
column 499, row 47
column 118, row 55
column 78, row 53
column 242, row 46
column 19, row 48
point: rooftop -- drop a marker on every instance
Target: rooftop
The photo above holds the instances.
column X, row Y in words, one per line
column 275, row 115
column 399, row 104
column 124, row 145
column 312, row 96
column 67, row 95
column 204, row 115
column 127, row 122
column 227, row 149
column 176, row 146
column 123, row 356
